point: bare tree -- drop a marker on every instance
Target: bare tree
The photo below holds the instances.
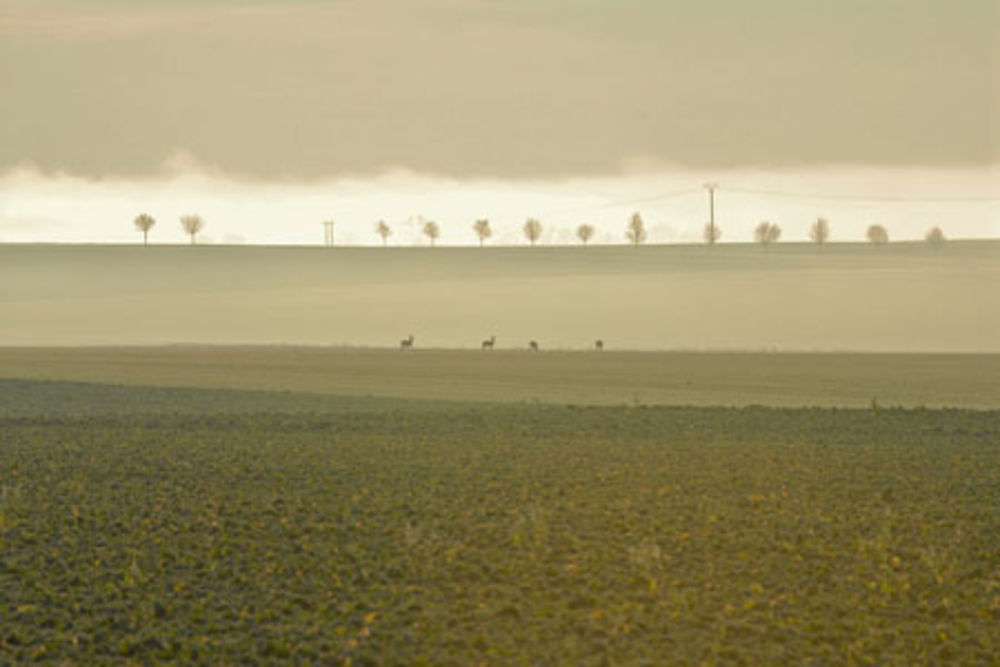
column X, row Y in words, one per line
column 935, row 237
column 144, row 222
column 635, row 230
column 767, row 233
column 711, row 233
column 532, row 230
column 820, row 231
column 383, row 229
column 585, row 233
column 482, row 229
column 192, row 224
column 432, row 231
column 877, row 234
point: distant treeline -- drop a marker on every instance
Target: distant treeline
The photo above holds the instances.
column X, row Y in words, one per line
column 766, row 233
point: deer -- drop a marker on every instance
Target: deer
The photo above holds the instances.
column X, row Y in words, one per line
column 489, row 343
column 406, row 343
column 533, row 345
column 598, row 345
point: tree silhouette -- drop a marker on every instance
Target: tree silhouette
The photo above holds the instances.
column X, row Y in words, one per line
column 820, row 231
column 935, row 237
column 383, row 230
column 635, row 230
column 192, row 224
column 585, row 233
column 767, row 233
column 532, row 230
column 711, row 233
column 144, row 222
column 877, row 234
column 432, row 231
column 482, row 229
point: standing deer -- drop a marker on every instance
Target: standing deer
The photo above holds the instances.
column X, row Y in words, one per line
column 533, row 345
column 406, row 343
column 488, row 344
column 598, row 345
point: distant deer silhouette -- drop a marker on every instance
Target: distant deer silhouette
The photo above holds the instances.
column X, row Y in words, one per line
column 598, row 345
column 489, row 343
column 533, row 345
column 406, row 343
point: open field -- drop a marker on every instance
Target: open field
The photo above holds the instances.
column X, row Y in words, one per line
column 735, row 379
column 225, row 526
column 904, row 297
column 349, row 505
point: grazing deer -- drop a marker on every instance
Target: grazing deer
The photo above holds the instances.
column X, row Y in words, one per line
column 406, row 343
column 488, row 344
column 533, row 345
column 598, row 345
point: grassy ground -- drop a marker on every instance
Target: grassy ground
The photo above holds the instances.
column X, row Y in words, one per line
column 166, row 524
column 551, row 377
column 846, row 297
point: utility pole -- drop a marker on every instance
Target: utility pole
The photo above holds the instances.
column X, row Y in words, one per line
column 711, row 212
column 328, row 233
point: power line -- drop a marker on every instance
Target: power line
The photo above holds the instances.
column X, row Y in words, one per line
column 668, row 195
column 626, row 202
column 840, row 197
column 773, row 193
column 712, row 187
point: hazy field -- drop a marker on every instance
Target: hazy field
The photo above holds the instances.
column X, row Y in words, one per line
column 367, row 505
column 853, row 297
column 834, row 380
column 148, row 525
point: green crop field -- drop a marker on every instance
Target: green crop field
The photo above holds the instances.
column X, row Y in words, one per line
column 148, row 524
column 607, row 378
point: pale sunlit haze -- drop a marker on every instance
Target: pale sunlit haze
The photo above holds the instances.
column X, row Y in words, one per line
column 269, row 117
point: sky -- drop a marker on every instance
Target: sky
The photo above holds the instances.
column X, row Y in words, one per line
column 269, row 116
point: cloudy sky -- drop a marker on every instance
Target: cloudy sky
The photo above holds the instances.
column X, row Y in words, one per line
column 272, row 115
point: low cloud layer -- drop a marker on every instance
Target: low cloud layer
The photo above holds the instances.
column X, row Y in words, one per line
column 477, row 89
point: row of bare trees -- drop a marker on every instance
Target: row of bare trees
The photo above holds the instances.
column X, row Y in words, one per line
column 766, row 233
column 879, row 235
column 532, row 230
column 191, row 224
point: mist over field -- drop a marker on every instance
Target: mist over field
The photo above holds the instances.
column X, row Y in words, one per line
column 792, row 297
column 64, row 207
